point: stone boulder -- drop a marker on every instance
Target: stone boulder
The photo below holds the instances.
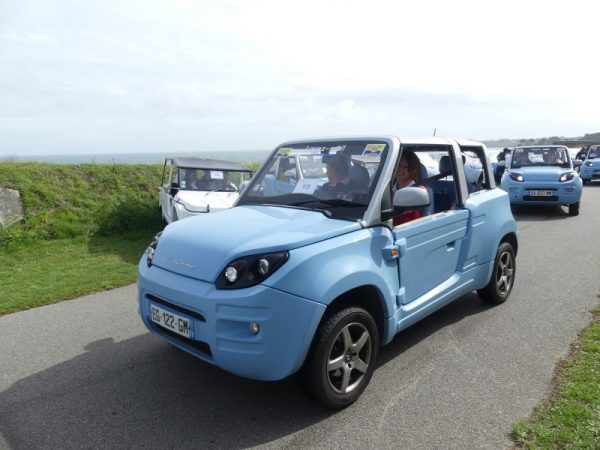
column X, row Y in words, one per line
column 11, row 207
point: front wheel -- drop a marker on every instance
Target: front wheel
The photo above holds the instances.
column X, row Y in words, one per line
column 574, row 209
column 343, row 357
column 503, row 276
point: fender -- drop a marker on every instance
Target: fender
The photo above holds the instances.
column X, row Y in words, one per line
column 325, row 270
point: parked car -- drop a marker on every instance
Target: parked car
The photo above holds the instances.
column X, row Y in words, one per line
column 192, row 186
column 315, row 279
column 290, row 168
column 542, row 175
column 590, row 169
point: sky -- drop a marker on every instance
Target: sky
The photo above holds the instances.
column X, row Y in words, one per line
column 107, row 76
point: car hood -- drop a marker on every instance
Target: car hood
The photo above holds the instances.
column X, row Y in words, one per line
column 201, row 246
column 595, row 162
column 542, row 173
column 198, row 201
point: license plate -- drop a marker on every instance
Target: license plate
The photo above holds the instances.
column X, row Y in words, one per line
column 171, row 321
column 541, row 193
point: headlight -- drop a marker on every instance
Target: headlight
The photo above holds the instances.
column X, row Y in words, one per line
column 516, row 177
column 589, row 163
column 250, row 270
column 152, row 249
column 567, row 176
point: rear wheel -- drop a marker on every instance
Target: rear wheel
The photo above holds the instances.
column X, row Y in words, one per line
column 574, row 209
column 503, row 276
column 343, row 357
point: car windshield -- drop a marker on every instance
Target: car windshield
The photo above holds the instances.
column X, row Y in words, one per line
column 336, row 178
column 194, row 179
column 593, row 152
column 540, row 156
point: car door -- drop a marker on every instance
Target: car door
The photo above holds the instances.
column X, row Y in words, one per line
column 429, row 250
column 430, row 247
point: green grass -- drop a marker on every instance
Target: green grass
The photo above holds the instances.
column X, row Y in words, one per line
column 41, row 272
column 85, row 228
column 570, row 419
column 72, row 200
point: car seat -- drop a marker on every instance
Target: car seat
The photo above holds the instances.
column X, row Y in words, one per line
column 444, row 192
column 428, row 210
column 360, row 175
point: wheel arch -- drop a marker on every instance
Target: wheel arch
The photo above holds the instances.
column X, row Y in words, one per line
column 511, row 238
column 367, row 297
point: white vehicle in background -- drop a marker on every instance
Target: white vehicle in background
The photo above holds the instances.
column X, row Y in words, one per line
column 192, row 186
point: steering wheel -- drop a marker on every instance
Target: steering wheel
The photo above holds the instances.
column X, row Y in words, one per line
column 225, row 188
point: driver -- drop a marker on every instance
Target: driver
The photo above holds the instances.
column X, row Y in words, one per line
column 339, row 184
column 226, row 184
column 552, row 157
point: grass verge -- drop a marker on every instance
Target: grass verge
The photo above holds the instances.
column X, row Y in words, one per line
column 39, row 272
column 570, row 419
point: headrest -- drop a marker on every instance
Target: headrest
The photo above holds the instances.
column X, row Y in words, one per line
column 423, row 175
column 445, row 165
column 360, row 175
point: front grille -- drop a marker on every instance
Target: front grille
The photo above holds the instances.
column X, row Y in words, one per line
column 198, row 345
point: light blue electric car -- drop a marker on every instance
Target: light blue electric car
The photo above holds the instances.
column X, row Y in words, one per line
column 590, row 169
column 542, row 175
column 314, row 277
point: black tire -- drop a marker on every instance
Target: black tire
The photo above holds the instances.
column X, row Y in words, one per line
column 341, row 362
column 585, row 182
column 574, row 209
column 503, row 276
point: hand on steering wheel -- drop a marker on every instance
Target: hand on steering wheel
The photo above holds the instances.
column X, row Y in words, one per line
column 225, row 188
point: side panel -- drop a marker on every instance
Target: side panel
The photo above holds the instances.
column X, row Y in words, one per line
column 323, row 271
column 491, row 219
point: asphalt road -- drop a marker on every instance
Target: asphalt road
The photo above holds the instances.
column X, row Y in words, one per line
column 86, row 374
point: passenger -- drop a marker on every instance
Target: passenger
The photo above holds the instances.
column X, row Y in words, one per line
column 190, row 180
column 582, row 152
column 552, row 157
column 204, row 182
column 502, row 156
column 407, row 174
column 339, row 184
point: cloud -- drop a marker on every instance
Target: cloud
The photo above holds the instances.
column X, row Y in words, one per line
column 235, row 74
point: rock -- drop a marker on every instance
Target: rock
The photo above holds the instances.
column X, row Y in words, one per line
column 11, row 207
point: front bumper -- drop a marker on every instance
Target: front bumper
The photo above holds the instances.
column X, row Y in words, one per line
column 521, row 193
column 221, row 321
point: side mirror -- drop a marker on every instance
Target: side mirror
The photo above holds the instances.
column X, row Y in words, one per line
column 501, row 163
column 411, row 197
column 174, row 188
column 577, row 163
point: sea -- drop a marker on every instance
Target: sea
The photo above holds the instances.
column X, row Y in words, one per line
column 158, row 158
column 139, row 158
